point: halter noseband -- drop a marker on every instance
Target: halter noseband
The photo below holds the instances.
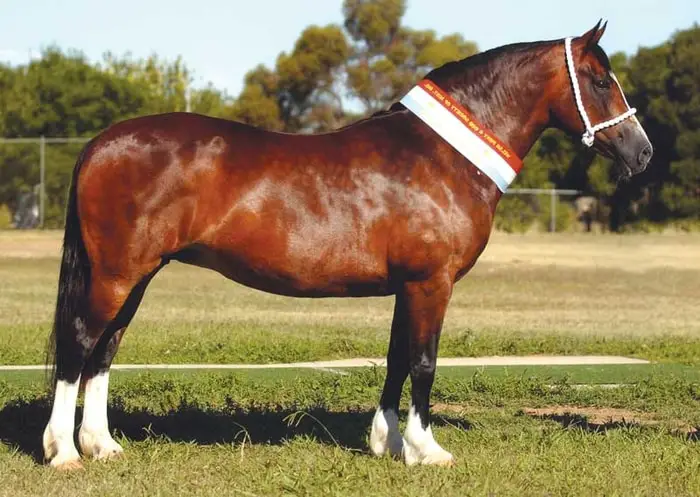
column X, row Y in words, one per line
column 589, row 135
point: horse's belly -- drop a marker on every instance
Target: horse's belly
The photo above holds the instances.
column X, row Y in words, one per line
column 299, row 237
column 277, row 263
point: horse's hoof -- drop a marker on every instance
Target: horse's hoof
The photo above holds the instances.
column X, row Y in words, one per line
column 445, row 463
column 70, row 465
column 99, row 446
column 437, row 457
column 109, row 455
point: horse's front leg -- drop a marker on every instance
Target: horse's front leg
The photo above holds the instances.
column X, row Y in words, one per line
column 427, row 302
column 385, row 436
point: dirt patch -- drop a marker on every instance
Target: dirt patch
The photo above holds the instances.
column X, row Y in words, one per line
column 593, row 414
column 600, row 418
column 592, row 419
column 458, row 409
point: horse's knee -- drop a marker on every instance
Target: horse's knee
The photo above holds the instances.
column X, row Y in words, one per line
column 424, row 366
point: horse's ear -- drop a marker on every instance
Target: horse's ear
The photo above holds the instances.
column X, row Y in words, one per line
column 591, row 37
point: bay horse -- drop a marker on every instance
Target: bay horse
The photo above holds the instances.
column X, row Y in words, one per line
column 389, row 205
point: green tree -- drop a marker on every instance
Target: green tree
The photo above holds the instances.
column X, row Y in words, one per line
column 163, row 81
column 211, row 102
column 387, row 58
column 674, row 115
column 302, row 93
column 63, row 95
column 374, row 61
column 664, row 85
column 59, row 95
column 306, row 79
column 258, row 103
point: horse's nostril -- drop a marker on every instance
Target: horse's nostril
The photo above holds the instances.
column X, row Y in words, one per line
column 645, row 155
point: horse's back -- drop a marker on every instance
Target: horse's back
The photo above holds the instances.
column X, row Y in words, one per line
column 295, row 214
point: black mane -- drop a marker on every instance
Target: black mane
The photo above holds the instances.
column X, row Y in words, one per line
column 497, row 61
column 459, row 67
column 490, row 56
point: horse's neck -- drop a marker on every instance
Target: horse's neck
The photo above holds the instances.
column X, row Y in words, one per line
column 513, row 106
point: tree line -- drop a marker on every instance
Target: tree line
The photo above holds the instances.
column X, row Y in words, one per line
column 339, row 73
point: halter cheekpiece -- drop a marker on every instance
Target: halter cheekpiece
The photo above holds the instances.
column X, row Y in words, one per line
column 589, row 135
column 455, row 124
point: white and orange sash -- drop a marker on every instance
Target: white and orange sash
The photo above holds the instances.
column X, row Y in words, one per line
column 458, row 128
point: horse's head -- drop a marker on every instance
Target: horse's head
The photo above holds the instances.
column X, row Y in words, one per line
column 589, row 101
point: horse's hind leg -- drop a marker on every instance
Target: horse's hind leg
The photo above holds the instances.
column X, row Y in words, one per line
column 58, row 444
column 77, row 332
column 94, row 437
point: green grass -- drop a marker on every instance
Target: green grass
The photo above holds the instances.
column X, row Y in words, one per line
column 194, row 315
column 216, row 434
column 301, row 432
column 584, row 375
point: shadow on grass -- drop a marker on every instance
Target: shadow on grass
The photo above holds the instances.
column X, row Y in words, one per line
column 22, row 424
column 578, row 421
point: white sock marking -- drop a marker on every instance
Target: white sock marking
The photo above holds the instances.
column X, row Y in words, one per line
column 94, row 436
column 58, row 435
column 385, row 435
column 419, row 445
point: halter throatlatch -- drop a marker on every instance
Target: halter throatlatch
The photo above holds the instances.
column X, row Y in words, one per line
column 589, row 134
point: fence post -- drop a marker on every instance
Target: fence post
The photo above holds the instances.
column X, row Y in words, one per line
column 42, row 180
column 553, row 212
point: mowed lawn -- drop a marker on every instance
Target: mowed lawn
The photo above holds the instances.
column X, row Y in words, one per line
column 514, row 431
column 241, row 434
column 529, row 294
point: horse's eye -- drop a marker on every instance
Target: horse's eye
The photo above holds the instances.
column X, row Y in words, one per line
column 603, row 83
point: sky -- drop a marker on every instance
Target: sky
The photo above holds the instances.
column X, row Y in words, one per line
column 220, row 40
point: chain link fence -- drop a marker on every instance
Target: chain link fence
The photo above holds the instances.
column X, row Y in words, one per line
column 35, row 175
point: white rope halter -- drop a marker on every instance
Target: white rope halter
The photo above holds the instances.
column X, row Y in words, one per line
column 589, row 134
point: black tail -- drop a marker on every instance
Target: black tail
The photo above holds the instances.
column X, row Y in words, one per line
column 73, row 285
